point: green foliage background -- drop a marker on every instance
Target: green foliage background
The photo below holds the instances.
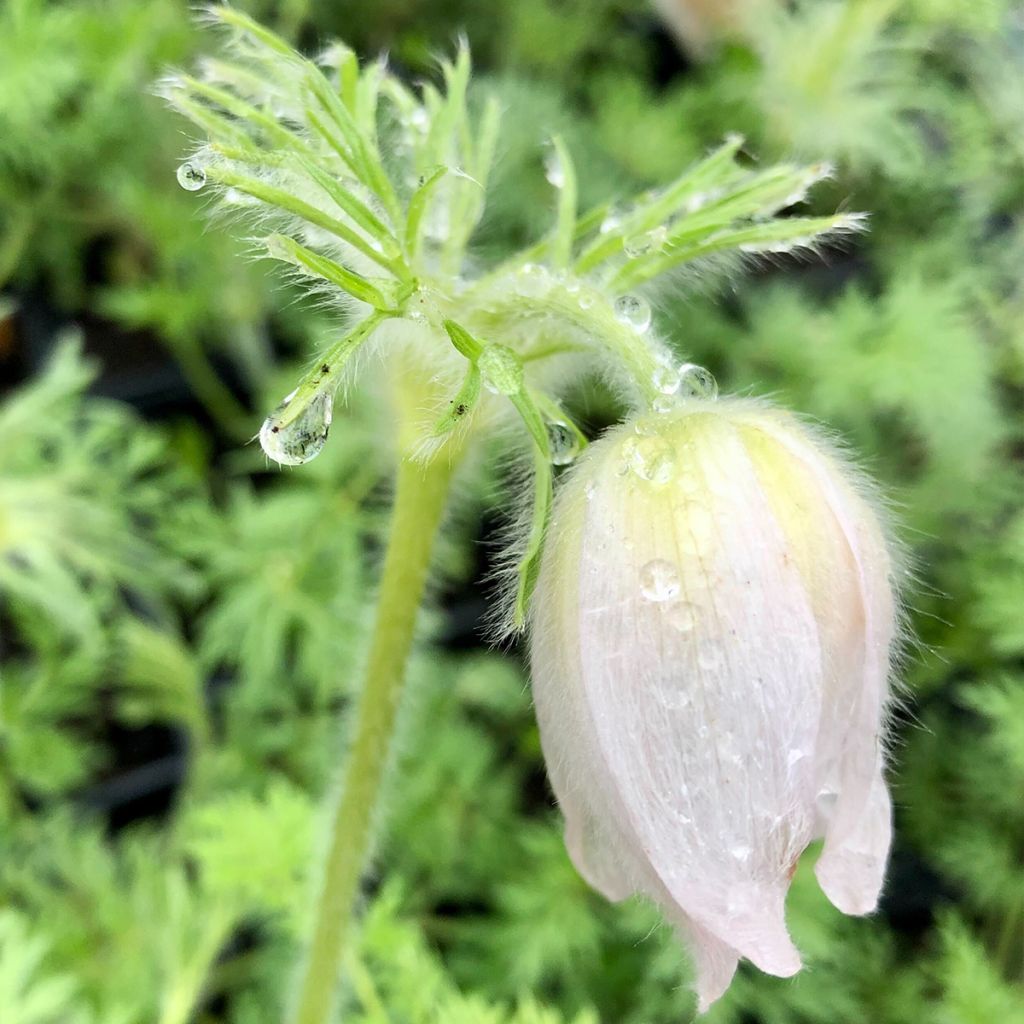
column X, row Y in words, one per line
column 175, row 615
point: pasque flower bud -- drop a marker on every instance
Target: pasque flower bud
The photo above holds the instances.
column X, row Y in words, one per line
column 711, row 643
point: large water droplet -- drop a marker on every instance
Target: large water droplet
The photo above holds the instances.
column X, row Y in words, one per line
column 564, row 443
column 633, row 311
column 651, row 458
column 697, row 381
column 659, row 581
column 191, row 176
column 303, row 438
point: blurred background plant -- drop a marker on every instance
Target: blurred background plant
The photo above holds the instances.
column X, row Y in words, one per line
column 181, row 629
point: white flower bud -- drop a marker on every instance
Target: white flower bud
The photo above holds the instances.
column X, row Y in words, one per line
column 712, row 633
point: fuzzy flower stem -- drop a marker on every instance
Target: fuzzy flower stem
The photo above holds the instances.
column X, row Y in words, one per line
column 419, row 506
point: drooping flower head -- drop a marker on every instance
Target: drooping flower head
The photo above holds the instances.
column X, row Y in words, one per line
column 712, row 637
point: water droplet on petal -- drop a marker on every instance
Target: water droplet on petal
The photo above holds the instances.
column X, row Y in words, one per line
column 825, row 803
column 564, row 443
column 697, row 381
column 651, row 458
column 303, row 438
column 659, row 581
column 633, row 311
column 710, row 659
column 740, row 852
column 681, row 616
column 191, row 176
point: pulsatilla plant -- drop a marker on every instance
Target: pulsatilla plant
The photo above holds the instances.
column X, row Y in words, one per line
column 710, row 602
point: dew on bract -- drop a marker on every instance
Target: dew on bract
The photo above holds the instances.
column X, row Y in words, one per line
column 553, row 170
column 419, row 119
column 533, row 281
column 611, row 222
column 697, row 381
column 659, row 581
column 191, row 176
column 648, row 242
column 303, row 438
column 564, row 443
column 633, row 311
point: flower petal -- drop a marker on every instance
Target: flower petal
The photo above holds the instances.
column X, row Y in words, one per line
column 851, row 871
column 698, row 698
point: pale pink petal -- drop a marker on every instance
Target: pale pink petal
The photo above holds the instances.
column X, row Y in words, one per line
column 593, row 855
column 851, row 871
column 714, row 963
column 859, row 828
column 698, row 701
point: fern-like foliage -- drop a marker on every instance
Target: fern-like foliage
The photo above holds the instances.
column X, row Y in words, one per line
column 83, row 515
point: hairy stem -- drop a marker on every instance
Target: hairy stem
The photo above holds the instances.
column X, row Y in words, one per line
column 419, row 505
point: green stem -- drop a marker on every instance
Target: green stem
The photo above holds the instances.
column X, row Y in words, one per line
column 419, row 505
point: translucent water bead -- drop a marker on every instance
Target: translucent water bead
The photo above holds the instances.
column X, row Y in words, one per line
column 564, row 443
column 303, row 438
column 191, row 176
column 633, row 311
column 697, row 382
column 641, row 245
column 659, row 581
